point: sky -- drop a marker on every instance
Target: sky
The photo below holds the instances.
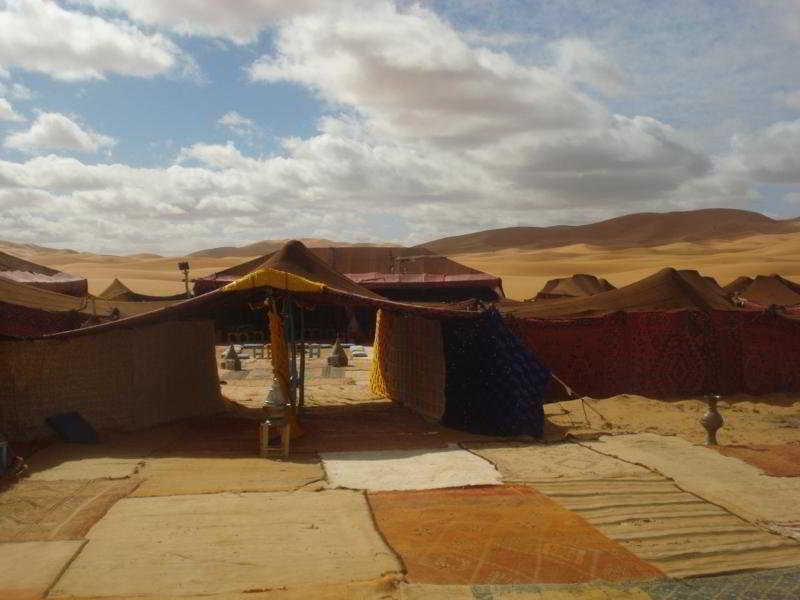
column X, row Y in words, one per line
column 153, row 126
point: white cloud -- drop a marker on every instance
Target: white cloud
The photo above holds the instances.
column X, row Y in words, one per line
column 498, row 39
column 579, row 61
column 238, row 124
column 527, row 131
column 7, row 112
column 428, row 127
column 217, row 156
column 413, row 76
column 240, row 21
column 15, row 91
column 54, row 131
column 39, row 35
column 770, row 155
column 789, row 99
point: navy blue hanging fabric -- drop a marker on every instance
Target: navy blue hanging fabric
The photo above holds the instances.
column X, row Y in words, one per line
column 493, row 382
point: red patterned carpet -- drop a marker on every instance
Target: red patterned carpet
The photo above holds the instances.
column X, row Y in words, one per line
column 498, row 535
column 781, row 460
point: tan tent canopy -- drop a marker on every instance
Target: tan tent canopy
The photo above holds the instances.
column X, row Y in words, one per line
column 23, row 271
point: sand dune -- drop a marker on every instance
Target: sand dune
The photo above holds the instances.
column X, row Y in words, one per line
column 156, row 276
column 525, row 272
column 267, row 246
column 629, row 231
column 720, row 243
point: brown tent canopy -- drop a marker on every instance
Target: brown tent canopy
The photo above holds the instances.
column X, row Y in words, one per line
column 119, row 291
column 772, row 289
column 576, row 286
column 28, row 311
column 386, row 271
column 738, row 285
column 296, row 259
column 667, row 289
column 23, row 271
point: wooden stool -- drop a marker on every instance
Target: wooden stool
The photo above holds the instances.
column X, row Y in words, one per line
column 285, row 433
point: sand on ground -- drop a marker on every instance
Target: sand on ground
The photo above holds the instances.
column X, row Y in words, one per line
column 748, row 420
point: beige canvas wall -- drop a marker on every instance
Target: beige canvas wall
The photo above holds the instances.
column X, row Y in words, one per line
column 122, row 379
column 410, row 365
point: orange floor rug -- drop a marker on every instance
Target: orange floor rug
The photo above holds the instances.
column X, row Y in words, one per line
column 498, row 535
column 781, row 460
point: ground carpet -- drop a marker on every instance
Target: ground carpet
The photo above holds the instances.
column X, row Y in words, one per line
column 408, row 469
column 498, row 535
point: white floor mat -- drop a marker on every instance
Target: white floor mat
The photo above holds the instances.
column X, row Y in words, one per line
column 408, row 469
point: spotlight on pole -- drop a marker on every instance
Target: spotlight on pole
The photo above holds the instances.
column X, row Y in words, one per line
column 184, row 266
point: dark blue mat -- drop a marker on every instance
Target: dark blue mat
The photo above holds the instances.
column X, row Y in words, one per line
column 72, row 427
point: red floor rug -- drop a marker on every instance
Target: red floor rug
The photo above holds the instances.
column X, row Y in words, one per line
column 782, row 460
column 498, row 535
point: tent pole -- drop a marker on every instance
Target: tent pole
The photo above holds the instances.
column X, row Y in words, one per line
column 302, row 381
column 292, row 348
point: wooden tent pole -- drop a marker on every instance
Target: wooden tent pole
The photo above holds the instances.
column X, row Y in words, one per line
column 302, row 381
column 292, row 348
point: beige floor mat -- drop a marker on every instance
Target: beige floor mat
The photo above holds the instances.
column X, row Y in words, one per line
column 228, row 543
column 535, row 462
column 117, row 457
column 729, row 482
column 28, row 569
column 677, row 532
column 56, row 510
column 206, row 475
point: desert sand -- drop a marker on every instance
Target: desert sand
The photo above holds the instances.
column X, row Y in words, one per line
column 524, row 271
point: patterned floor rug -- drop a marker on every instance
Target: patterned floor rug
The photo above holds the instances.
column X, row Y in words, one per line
column 780, row 460
column 498, row 535
column 32, row 511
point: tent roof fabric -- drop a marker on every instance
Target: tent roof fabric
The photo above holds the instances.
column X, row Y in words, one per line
column 295, row 258
column 40, row 308
column 377, row 267
column 119, row 291
column 772, row 289
column 667, row 289
column 737, row 285
column 23, row 271
column 298, row 276
column 576, row 286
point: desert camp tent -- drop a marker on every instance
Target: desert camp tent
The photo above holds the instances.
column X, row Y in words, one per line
column 119, row 291
column 773, row 289
column 236, row 322
column 738, row 285
column 28, row 311
column 23, row 271
column 713, row 283
column 668, row 289
column 576, row 286
column 670, row 334
column 413, row 274
column 463, row 368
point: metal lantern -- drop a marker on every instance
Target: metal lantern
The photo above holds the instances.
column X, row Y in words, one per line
column 276, row 405
column 712, row 420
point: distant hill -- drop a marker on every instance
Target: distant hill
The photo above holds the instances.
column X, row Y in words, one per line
column 26, row 250
column 267, row 246
column 629, row 231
